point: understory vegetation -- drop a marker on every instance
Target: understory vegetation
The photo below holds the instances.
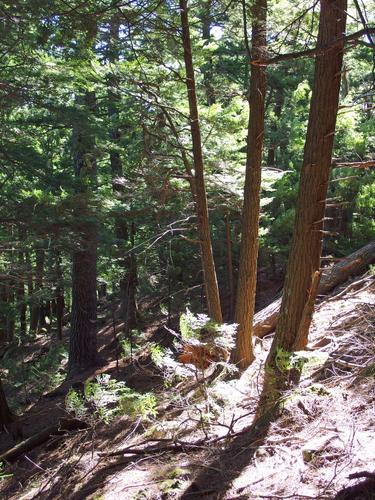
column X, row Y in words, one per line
column 187, row 249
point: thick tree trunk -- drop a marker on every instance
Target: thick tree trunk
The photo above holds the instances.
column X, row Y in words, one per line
column 6, row 416
column 246, row 288
column 305, row 253
column 83, row 342
column 210, row 279
column 265, row 321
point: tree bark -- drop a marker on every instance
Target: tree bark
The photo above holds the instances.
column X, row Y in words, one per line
column 36, row 301
column 210, row 279
column 6, row 416
column 83, row 342
column 60, row 303
column 305, row 253
column 228, row 237
column 21, row 303
column 246, row 288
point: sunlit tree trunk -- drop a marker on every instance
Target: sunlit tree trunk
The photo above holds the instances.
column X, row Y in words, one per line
column 246, row 287
column 305, row 253
column 212, row 289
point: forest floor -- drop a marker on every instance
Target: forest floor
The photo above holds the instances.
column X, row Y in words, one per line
column 202, row 443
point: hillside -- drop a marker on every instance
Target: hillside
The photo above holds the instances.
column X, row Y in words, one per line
column 324, row 434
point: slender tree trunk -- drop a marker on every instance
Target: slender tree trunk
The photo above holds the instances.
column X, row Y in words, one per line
column 6, row 416
column 59, row 296
column 21, row 303
column 121, row 225
column 207, row 68
column 83, row 342
column 279, row 101
column 130, row 314
column 3, row 313
column 10, row 320
column 305, row 253
column 228, row 237
column 36, row 300
column 30, row 285
column 247, row 275
column 210, row 279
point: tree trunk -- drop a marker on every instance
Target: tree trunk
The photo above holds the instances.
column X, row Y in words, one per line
column 229, row 266
column 246, row 288
column 207, row 68
column 21, row 303
column 121, row 225
column 10, row 320
column 6, row 416
column 210, row 279
column 3, row 313
column 83, row 342
column 59, row 296
column 265, row 321
column 279, row 101
column 305, row 253
column 36, row 300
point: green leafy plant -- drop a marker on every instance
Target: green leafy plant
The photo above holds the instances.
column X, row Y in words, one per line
column 106, row 398
column 3, row 475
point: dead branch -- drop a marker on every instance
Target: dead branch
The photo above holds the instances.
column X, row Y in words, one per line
column 317, row 51
column 32, row 442
column 355, row 164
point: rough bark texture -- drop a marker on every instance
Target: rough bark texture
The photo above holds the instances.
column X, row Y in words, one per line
column 305, row 253
column 212, row 289
column 246, row 290
column 265, row 321
column 228, row 236
column 83, row 343
column 6, row 416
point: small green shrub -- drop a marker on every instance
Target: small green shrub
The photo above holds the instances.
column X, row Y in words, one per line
column 104, row 399
column 3, row 475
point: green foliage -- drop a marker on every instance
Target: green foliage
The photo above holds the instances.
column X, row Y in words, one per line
column 286, row 361
column 4, row 475
column 201, row 327
column 157, row 353
column 106, row 398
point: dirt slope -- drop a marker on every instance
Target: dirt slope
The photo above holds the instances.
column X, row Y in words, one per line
column 326, row 430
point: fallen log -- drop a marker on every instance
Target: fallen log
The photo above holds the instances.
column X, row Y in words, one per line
column 265, row 320
column 32, row 442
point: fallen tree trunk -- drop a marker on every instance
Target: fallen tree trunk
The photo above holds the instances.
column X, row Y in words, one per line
column 265, row 320
column 32, row 442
